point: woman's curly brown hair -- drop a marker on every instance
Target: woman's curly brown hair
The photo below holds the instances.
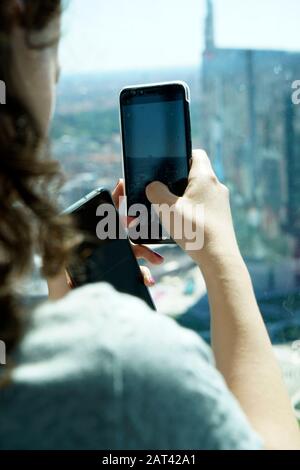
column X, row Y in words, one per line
column 29, row 219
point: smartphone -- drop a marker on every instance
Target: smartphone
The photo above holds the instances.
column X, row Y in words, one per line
column 156, row 145
column 105, row 256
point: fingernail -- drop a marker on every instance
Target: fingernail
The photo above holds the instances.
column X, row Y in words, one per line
column 151, row 280
column 133, row 223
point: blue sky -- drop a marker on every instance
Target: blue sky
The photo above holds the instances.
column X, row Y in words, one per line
column 129, row 34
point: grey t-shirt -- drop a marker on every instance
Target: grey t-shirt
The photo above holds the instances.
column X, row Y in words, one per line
column 100, row 370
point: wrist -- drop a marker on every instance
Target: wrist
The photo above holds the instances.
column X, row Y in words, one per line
column 220, row 264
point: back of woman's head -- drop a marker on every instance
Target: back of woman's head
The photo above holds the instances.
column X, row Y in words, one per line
column 29, row 220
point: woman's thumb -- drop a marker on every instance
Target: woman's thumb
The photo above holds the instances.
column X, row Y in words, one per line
column 159, row 193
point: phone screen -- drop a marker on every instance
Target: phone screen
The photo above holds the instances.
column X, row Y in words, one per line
column 108, row 260
column 156, row 139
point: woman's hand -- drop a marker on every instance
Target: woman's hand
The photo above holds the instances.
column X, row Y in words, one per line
column 242, row 348
column 61, row 284
column 140, row 251
column 203, row 191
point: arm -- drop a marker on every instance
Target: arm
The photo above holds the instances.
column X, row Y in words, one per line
column 244, row 354
column 241, row 345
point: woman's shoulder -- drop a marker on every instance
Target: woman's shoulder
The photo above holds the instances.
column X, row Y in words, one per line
column 95, row 330
column 159, row 373
column 97, row 334
column 97, row 316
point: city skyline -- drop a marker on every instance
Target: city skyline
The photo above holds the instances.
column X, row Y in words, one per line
column 241, row 116
column 91, row 44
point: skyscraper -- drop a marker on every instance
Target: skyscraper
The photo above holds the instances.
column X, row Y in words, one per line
column 244, row 119
column 209, row 27
column 251, row 129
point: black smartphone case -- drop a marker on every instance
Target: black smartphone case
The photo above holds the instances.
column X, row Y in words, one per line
column 188, row 138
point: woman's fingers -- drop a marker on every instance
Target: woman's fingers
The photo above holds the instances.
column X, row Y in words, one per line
column 159, row 193
column 147, row 276
column 143, row 252
column 118, row 193
column 200, row 164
